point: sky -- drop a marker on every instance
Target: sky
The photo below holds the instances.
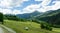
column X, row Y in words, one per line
column 28, row 6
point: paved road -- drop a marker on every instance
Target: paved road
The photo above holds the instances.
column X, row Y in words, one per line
column 1, row 30
column 8, row 29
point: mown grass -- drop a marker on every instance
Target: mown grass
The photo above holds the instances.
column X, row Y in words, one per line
column 56, row 29
column 18, row 26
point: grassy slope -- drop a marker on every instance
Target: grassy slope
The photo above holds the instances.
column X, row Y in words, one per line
column 18, row 26
column 56, row 29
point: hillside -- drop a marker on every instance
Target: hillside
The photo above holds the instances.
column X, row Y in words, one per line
column 29, row 15
column 52, row 17
column 50, row 13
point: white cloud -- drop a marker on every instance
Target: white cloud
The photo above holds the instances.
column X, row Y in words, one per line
column 6, row 6
column 42, row 7
column 17, row 12
column 5, row 3
column 56, row 6
column 53, row 7
column 11, row 3
column 6, row 11
column 39, row 7
column 31, row 8
column 45, row 2
column 9, row 11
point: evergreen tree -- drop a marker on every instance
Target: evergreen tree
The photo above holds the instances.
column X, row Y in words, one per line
column 1, row 18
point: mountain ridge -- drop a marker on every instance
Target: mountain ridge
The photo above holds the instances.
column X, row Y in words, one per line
column 29, row 15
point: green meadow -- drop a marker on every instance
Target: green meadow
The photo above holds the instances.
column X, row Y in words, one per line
column 19, row 26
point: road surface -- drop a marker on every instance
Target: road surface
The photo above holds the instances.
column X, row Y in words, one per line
column 6, row 29
column 1, row 30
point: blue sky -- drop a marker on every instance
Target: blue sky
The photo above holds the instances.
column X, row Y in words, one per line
column 28, row 6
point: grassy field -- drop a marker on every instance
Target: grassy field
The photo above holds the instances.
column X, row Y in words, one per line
column 18, row 26
column 56, row 29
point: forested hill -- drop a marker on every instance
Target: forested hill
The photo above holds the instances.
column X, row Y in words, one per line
column 52, row 17
column 10, row 17
column 50, row 13
column 29, row 15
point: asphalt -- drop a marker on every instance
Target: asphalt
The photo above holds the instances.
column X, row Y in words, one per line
column 6, row 28
column 1, row 30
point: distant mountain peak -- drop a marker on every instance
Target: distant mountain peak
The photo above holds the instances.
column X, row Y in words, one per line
column 28, row 15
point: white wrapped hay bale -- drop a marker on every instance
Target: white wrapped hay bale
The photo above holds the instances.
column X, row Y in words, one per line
column 26, row 28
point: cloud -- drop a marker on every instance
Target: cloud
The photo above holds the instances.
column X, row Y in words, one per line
column 6, row 11
column 9, row 11
column 53, row 7
column 37, row 7
column 45, row 2
column 42, row 7
column 11, row 3
column 31, row 8
column 6, row 5
column 56, row 6
column 17, row 12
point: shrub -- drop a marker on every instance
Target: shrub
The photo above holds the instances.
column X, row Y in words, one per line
column 42, row 26
column 46, row 26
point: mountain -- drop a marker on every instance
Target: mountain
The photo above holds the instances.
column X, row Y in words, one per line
column 29, row 15
column 51, row 17
column 50, row 13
